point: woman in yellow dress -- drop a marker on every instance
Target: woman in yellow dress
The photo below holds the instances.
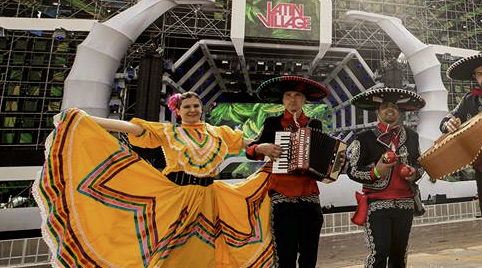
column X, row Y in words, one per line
column 103, row 206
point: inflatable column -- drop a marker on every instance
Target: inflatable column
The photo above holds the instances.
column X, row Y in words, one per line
column 426, row 71
column 88, row 85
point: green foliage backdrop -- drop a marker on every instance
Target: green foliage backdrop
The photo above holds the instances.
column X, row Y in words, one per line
column 249, row 117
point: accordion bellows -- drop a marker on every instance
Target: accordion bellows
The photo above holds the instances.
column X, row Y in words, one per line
column 310, row 150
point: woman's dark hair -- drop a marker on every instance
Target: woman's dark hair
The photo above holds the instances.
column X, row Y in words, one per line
column 174, row 102
column 187, row 95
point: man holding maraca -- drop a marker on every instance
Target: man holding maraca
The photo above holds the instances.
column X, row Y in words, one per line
column 384, row 160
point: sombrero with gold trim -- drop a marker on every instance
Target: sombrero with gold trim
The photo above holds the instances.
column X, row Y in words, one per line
column 406, row 100
column 272, row 90
column 463, row 69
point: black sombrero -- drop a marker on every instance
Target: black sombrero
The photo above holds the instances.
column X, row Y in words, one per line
column 463, row 69
column 272, row 90
column 406, row 100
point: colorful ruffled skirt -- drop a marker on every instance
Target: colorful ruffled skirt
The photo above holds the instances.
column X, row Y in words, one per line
column 103, row 206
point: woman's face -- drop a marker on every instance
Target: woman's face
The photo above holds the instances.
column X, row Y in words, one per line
column 190, row 111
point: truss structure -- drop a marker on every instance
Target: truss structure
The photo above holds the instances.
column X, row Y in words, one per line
column 195, row 43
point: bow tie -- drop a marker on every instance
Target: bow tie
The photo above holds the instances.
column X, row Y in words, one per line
column 386, row 137
column 476, row 91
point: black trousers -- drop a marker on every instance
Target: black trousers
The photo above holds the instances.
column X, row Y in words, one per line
column 388, row 229
column 297, row 229
column 478, row 179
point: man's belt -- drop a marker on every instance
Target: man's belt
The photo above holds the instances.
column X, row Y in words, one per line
column 181, row 178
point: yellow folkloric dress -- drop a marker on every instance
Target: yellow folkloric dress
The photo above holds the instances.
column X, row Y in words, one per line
column 103, row 206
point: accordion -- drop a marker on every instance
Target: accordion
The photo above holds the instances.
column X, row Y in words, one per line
column 309, row 150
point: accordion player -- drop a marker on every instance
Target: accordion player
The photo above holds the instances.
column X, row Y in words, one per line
column 310, row 150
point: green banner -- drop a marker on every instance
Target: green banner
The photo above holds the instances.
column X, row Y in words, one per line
column 283, row 19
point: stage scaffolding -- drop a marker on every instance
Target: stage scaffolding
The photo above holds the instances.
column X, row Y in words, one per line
column 456, row 23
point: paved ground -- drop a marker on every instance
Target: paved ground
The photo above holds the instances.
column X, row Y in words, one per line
column 453, row 245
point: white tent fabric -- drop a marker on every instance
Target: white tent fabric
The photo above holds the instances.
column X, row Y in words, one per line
column 426, row 71
column 88, row 85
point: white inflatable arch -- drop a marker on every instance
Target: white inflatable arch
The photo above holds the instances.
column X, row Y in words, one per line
column 88, row 85
column 426, row 71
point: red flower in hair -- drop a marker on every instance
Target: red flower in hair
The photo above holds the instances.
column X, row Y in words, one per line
column 173, row 101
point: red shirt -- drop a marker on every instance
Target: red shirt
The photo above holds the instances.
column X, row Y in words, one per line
column 291, row 185
column 398, row 187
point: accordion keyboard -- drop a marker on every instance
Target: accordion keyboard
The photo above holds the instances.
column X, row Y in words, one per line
column 281, row 164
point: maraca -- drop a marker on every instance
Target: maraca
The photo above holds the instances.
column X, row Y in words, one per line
column 389, row 157
column 405, row 171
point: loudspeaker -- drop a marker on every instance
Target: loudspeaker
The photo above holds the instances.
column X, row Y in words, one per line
column 148, row 101
column 149, row 84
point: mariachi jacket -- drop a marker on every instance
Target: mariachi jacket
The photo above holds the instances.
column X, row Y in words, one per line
column 469, row 106
column 365, row 151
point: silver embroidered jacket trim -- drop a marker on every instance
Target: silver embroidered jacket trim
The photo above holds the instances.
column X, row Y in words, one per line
column 277, row 198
